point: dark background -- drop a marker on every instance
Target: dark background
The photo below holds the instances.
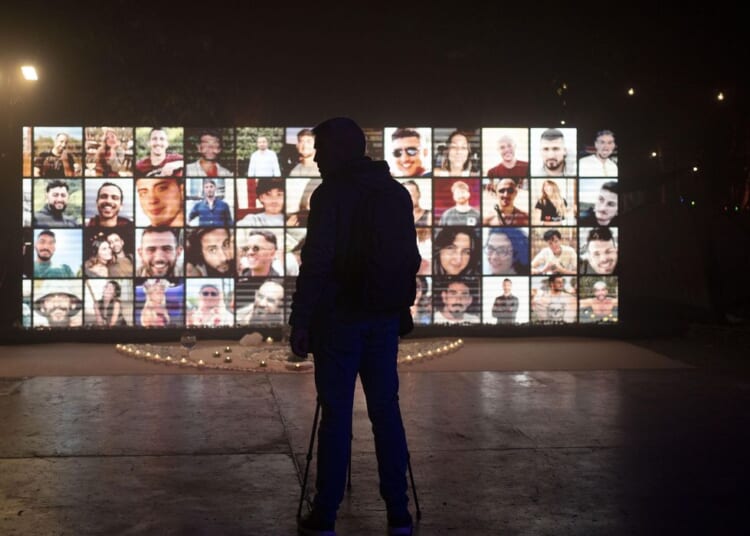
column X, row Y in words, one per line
column 437, row 64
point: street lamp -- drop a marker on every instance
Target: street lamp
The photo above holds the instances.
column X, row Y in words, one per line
column 29, row 73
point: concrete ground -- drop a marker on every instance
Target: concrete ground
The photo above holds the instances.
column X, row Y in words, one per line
column 583, row 450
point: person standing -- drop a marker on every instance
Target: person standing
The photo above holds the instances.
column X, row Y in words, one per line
column 505, row 308
column 211, row 211
column 263, row 162
column 346, row 337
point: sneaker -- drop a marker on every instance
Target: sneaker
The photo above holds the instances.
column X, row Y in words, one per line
column 313, row 525
column 400, row 526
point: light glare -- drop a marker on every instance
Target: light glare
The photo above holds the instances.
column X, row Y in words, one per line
column 29, row 72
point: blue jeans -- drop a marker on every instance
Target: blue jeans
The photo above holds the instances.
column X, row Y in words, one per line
column 343, row 348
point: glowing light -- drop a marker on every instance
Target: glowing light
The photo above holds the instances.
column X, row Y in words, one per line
column 631, row 91
column 29, row 73
column 720, row 96
column 695, row 168
column 562, row 121
column 654, row 154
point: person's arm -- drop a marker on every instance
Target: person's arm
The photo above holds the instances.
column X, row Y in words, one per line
column 444, row 218
column 496, row 308
column 538, row 263
column 194, row 211
column 226, row 213
column 98, row 313
column 514, row 308
column 276, row 168
column 115, row 313
column 251, row 166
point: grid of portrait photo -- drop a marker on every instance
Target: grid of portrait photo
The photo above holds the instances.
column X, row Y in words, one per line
column 164, row 226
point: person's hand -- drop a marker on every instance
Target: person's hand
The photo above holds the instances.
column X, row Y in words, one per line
column 170, row 168
column 299, row 340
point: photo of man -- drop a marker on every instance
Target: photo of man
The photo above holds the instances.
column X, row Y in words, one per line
column 159, row 253
column 408, row 151
column 57, row 304
column 553, row 152
column 210, row 202
column 57, row 152
column 209, row 145
column 505, row 152
column 160, row 202
column 46, row 245
column 266, row 303
column 456, row 300
column 207, row 302
column 59, row 205
column 158, row 161
column 109, row 203
column 553, row 300
column 210, row 252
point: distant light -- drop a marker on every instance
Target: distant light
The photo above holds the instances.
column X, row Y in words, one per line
column 692, row 203
column 29, row 72
column 631, row 91
column 695, row 168
column 654, row 154
column 562, row 121
column 720, row 96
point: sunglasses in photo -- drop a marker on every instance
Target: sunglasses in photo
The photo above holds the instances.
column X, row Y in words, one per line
column 508, row 190
column 210, row 293
column 411, row 151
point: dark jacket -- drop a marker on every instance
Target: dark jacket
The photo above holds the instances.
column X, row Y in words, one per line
column 326, row 255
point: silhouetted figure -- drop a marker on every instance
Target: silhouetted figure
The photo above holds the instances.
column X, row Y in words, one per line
column 346, row 337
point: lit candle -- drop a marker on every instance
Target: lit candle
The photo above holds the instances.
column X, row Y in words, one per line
column 228, row 349
column 269, row 340
column 227, row 359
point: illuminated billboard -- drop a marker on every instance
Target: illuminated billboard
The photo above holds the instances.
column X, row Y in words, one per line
column 191, row 227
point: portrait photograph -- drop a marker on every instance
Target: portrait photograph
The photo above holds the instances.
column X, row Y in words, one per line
column 101, row 197
column 108, row 303
column 58, row 303
column 58, row 152
column 456, row 152
column 259, row 150
column 505, row 300
column 57, row 203
column 553, row 152
column 408, row 151
column 108, row 151
column 505, row 152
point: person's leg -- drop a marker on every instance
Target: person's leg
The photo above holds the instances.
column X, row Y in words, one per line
column 379, row 375
column 336, row 350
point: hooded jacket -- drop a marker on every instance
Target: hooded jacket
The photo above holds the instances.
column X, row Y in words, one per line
column 333, row 224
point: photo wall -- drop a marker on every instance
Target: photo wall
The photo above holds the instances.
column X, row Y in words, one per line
column 160, row 227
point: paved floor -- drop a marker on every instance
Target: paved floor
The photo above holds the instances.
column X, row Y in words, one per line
column 583, row 452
